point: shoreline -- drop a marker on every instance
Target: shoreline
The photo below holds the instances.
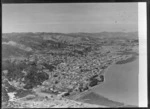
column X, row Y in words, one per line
column 90, row 88
column 77, row 95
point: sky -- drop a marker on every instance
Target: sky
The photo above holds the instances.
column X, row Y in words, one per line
column 70, row 17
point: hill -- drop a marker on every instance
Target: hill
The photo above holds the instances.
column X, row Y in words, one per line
column 13, row 51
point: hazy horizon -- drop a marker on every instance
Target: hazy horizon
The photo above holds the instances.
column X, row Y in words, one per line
column 75, row 32
column 70, row 17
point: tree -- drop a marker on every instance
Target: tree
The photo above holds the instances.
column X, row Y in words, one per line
column 93, row 82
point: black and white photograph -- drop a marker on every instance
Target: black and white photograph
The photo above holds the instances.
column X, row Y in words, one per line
column 74, row 55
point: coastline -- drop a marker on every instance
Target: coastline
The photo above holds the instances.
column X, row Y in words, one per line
column 78, row 95
column 121, row 78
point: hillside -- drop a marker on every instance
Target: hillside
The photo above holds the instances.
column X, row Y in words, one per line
column 13, row 51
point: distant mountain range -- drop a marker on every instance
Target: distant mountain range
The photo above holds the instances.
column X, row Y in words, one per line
column 23, row 43
column 71, row 38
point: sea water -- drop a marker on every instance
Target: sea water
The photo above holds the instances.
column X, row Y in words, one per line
column 121, row 83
